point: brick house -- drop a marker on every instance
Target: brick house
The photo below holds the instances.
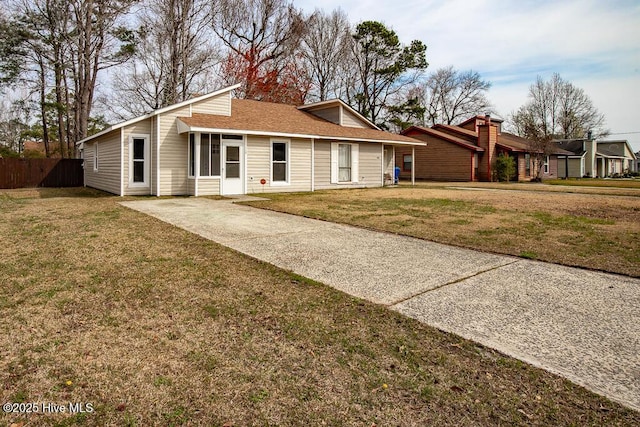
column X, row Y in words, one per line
column 467, row 152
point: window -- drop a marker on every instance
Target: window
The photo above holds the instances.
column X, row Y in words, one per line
column 406, row 163
column 209, row 154
column 95, row 156
column 546, row 165
column 527, row 164
column 279, row 154
column 344, row 162
column 232, row 162
column 138, row 160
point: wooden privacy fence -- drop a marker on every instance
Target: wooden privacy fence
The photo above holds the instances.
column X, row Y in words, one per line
column 26, row 173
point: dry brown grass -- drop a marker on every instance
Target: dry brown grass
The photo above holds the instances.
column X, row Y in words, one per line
column 595, row 231
column 156, row 326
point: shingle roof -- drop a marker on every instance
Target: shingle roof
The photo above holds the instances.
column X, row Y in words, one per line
column 281, row 119
column 517, row 143
column 456, row 129
column 607, row 152
column 443, row 135
column 574, row 146
column 513, row 142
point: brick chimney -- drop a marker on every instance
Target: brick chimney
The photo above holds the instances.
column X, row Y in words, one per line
column 487, row 139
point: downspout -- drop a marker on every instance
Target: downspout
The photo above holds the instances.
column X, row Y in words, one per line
column 472, row 161
column 150, row 159
column 382, row 164
column 122, row 162
column 157, row 155
column 313, row 164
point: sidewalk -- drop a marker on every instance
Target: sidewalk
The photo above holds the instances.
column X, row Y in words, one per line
column 580, row 324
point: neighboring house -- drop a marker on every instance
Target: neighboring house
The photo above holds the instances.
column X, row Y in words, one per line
column 216, row 145
column 467, row 152
column 637, row 169
column 592, row 158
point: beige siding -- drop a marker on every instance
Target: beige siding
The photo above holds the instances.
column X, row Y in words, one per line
column 220, row 105
column 107, row 177
column 141, row 128
column 369, row 166
column 173, row 154
column 208, row 186
column 191, row 187
column 351, row 120
column 258, row 167
column 575, row 170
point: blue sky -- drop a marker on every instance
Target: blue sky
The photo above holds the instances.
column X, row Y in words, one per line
column 593, row 44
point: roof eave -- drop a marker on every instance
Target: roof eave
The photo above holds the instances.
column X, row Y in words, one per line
column 184, row 128
column 159, row 111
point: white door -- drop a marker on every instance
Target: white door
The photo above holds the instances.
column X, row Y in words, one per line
column 232, row 167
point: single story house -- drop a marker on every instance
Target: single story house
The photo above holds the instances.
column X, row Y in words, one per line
column 467, row 152
column 216, row 145
column 591, row 158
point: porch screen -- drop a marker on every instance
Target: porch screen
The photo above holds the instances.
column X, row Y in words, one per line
column 209, row 154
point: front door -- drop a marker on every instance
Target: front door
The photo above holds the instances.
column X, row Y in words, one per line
column 232, row 167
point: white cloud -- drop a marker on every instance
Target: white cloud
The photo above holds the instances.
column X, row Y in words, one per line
column 593, row 44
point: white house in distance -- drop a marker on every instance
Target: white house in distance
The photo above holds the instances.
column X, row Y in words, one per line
column 216, row 145
column 594, row 158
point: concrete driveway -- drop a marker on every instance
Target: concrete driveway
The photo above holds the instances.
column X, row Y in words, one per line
column 580, row 324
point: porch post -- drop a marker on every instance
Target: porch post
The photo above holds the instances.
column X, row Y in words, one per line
column 413, row 165
column 196, row 157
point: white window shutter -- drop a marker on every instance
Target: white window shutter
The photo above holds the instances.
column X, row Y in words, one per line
column 355, row 161
column 334, row 162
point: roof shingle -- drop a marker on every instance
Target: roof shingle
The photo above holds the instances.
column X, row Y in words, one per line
column 266, row 117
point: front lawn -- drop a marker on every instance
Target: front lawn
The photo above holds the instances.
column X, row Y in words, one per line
column 597, row 231
column 597, row 182
column 153, row 325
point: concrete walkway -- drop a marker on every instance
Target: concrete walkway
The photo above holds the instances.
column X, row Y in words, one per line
column 580, row 324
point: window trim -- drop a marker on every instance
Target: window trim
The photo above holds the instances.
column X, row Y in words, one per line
column 545, row 165
column 287, row 161
column 147, row 159
column 404, row 162
column 335, row 160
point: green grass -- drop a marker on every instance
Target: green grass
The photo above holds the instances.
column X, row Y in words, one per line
column 596, row 182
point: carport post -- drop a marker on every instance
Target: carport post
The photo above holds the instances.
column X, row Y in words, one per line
column 413, row 165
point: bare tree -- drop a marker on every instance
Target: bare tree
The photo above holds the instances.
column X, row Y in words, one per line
column 325, row 47
column 263, row 37
column 450, row 95
column 557, row 109
column 173, row 59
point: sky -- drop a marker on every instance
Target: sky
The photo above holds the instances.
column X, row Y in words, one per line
column 593, row 44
